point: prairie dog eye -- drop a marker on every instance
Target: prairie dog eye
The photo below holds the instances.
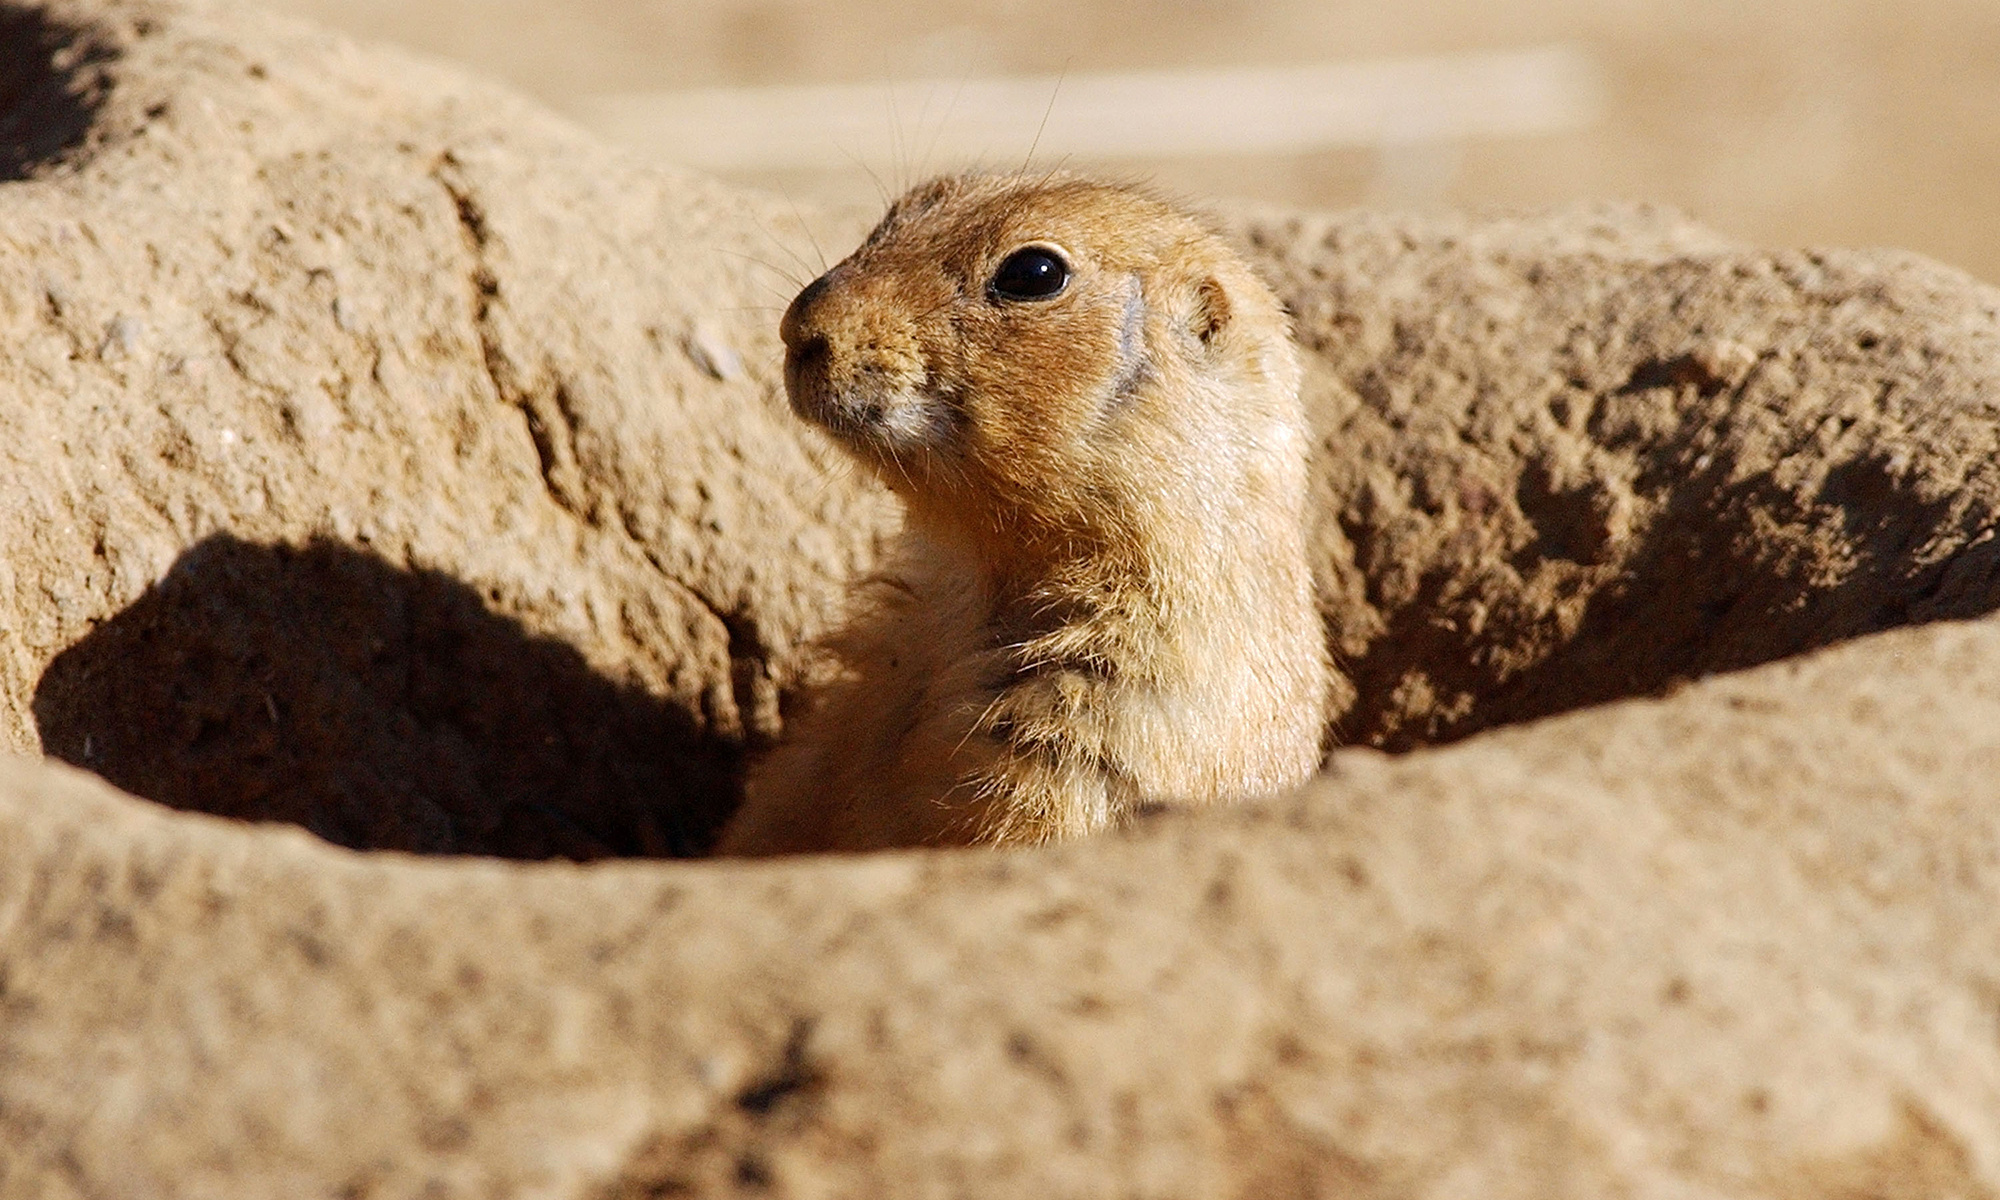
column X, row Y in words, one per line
column 1031, row 273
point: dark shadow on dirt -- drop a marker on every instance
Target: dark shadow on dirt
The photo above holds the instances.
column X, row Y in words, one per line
column 381, row 708
column 53, row 79
column 1711, row 590
column 1731, row 575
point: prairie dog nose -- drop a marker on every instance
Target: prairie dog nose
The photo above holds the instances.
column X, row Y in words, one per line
column 797, row 326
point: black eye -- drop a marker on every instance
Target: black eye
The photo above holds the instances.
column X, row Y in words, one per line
column 1031, row 273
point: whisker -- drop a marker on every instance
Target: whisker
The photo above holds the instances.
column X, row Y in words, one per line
column 943, row 123
column 773, row 268
column 897, row 162
column 773, row 238
column 1046, row 113
column 881, row 188
column 800, row 218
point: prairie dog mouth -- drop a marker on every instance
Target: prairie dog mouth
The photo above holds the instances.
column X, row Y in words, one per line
column 870, row 412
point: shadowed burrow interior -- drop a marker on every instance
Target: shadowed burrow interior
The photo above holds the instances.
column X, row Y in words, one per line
column 381, row 708
column 1716, row 586
column 388, row 708
column 1736, row 573
column 53, row 79
column 1712, row 569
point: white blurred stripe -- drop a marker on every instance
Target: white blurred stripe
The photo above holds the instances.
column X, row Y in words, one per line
column 1150, row 114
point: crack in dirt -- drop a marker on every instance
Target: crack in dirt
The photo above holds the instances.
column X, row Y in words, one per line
column 549, row 415
column 747, row 651
column 552, row 424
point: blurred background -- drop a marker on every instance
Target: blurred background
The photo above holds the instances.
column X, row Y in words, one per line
column 1781, row 122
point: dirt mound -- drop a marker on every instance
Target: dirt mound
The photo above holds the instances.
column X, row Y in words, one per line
column 383, row 457
column 381, row 447
column 1568, row 460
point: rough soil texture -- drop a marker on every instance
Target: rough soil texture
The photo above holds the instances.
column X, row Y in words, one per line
column 379, row 458
column 1571, row 459
column 379, row 455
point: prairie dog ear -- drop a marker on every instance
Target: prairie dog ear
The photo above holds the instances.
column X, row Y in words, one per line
column 1211, row 313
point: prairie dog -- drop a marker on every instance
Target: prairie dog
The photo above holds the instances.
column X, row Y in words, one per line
column 1088, row 405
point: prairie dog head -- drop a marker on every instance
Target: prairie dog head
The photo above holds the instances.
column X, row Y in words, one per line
column 1052, row 358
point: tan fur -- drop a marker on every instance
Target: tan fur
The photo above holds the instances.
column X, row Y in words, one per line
column 1102, row 597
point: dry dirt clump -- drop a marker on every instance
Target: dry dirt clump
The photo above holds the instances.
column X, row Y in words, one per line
column 381, row 459
column 380, row 456
column 1570, row 460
